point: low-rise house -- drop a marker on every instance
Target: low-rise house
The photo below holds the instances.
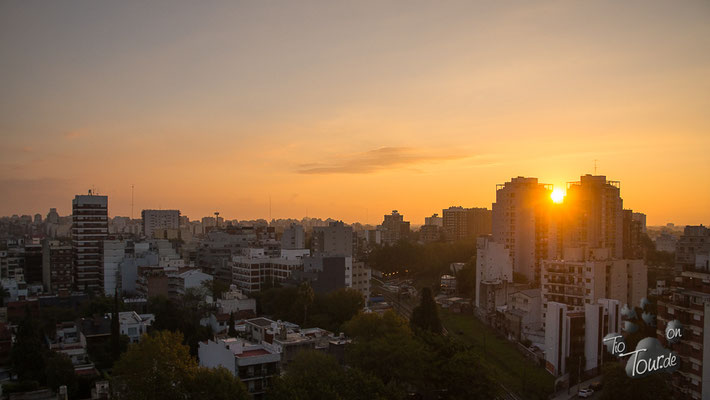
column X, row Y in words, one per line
column 254, row 364
column 134, row 325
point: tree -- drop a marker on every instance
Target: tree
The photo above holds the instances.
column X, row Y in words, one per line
column 232, row 330
column 161, row 367
column 617, row 385
column 305, row 297
column 216, row 384
column 426, row 315
column 28, row 353
column 158, row 367
column 466, row 279
column 60, row 371
column 115, row 329
column 314, row 375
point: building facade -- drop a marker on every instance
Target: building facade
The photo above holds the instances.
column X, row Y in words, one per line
column 89, row 230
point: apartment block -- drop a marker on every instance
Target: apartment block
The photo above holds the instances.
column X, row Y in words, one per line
column 89, row 230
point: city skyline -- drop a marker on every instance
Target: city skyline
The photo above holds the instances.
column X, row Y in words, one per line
column 351, row 110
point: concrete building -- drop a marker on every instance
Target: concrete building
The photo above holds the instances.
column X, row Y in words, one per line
column 254, row 269
column 57, row 266
column 114, row 252
column 585, row 276
column 494, row 271
column 294, row 237
column 159, row 219
column 593, row 216
column 666, row 242
column 574, row 335
column 689, row 303
column 234, row 301
column 327, row 274
column 361, row 279
column 134, row 325
column 521, row 216
column 180, row 282
column 254, row 364
column 466, row 223
column 336, row 239
column 641, row 219
column 394, row 228
column 695, row 240
column 89, row 230
column 32, row 268
column 524, row 313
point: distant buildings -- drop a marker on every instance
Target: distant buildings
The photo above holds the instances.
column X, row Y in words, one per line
column 336, row 239
column 394, row 228
column 666, row 242
column 432, row 229
column 466, row 223
column 159, row 219
column 89, row 229
column 294, row 237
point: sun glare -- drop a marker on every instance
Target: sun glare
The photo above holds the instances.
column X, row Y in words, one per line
column 557, row 196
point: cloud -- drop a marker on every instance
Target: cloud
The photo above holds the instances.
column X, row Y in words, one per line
column 380, row 159
column 71, row 135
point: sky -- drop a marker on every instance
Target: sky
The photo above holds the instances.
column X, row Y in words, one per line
column 349, row 110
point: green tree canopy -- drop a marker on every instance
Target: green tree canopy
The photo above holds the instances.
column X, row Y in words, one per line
column 314, row 375
column 425, row 316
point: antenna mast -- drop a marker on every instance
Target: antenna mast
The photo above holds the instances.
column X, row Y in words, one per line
column 131, row 201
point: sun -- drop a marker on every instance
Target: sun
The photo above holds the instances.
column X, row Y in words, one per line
column 557, row 196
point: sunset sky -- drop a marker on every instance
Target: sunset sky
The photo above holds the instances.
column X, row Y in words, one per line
column 350, row 110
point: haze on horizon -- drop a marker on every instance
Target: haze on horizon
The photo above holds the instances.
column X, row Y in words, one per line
column 350, row 110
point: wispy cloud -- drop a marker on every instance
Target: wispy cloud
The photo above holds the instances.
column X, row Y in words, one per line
column 71, row 135
column 381, row 159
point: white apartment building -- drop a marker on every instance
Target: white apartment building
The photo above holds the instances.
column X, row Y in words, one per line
column 255, row 268
column 585, row 276
column 254, row 364
column 494, row 266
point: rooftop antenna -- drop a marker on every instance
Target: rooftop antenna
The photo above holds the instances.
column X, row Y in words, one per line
column 595, row 167
column 269, row 208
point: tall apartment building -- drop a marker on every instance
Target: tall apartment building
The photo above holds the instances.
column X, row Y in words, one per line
column 593, row 215
column 89, row 230
column 294, row 237
column 33, row 261
column 689, row 303
column 336, row 239
column 573, row 337
column 466, row 223
column 394, row 228
column 632, row 233
column 521, row 223
column 586, row 275
column 159, row 219
column 57, row 266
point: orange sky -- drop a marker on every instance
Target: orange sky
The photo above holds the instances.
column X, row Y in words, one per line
column 351, row 110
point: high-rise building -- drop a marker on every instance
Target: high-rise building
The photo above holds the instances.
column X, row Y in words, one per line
column 593, row 215
column 159, row 219
column 57, row 266
column 521, row 223
column 689, row 303
column 336, row 239
column 466, row 223
column 294, row 237
column 89, row 230
column 632, row 231
column 394, row 228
